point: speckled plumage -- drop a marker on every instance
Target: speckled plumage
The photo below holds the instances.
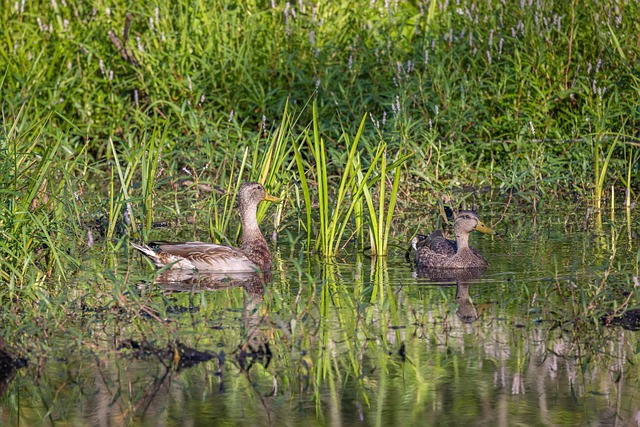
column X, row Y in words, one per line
column 253, row 256
column 435, row 251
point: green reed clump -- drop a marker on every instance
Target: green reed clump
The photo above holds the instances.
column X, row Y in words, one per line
column 357, row 181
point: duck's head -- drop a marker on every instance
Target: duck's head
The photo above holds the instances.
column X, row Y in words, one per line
column 251, row 194
column 468, row 221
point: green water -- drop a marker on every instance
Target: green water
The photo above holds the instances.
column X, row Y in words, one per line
column 355, row 341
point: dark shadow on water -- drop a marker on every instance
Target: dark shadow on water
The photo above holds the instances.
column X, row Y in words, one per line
column 629, row 320
column 176, row 355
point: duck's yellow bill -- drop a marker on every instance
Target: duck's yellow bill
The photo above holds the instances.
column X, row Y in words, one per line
column 483, row 228
column 270, row 198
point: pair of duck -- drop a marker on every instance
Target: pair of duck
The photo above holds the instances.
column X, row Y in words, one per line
column 432, row 251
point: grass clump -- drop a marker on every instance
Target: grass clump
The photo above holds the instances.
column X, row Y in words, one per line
column 36, row 236
column 335, row 211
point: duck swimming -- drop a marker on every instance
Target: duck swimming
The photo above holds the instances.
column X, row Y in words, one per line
column 252, row 256
column 435, row 251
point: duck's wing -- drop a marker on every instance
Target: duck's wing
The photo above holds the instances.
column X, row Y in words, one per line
column 437, row 243
column 209, row 256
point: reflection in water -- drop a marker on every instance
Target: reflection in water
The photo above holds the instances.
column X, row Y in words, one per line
column 467, row 311
column 190, row 280
column 346, row 343
column 150, row 380
column 255, row 345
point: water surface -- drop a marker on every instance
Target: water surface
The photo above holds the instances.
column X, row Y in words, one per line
column 355, row 341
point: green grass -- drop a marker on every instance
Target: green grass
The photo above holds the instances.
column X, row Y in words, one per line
column 335, row 208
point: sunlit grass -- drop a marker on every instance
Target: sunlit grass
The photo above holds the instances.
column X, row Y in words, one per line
column 356, row 182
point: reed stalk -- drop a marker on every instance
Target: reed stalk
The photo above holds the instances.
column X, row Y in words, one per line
column 601, row 170
column 120, row 199
column 149, row 170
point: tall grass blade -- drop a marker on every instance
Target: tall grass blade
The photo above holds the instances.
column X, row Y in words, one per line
column 302, row 176
column 600, row 177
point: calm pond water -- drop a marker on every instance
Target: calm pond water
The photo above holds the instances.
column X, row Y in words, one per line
column 355, row 341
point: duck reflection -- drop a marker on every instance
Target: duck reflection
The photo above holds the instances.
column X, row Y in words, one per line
column 467, row 312
column 255, row 344
column 194, row 281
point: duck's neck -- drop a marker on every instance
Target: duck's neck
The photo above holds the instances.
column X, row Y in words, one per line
column 254, row 245
column 250, row 229
column 462, row 240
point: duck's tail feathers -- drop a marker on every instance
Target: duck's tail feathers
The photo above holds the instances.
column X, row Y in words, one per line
column 145, row 250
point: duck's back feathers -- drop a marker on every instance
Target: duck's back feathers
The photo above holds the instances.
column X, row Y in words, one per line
column 210, row 256
column 198, row 256
column 439, row 244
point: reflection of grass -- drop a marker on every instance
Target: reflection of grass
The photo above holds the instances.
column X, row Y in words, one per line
column 342, row 335
column 118, row 126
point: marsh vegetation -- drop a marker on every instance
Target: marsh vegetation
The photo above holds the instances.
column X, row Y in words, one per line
column 139, row 122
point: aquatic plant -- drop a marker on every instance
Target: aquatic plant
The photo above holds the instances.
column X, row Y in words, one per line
column 356, row 182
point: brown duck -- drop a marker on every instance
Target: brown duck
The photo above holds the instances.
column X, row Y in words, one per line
column 252, row 256
column 435, row 251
